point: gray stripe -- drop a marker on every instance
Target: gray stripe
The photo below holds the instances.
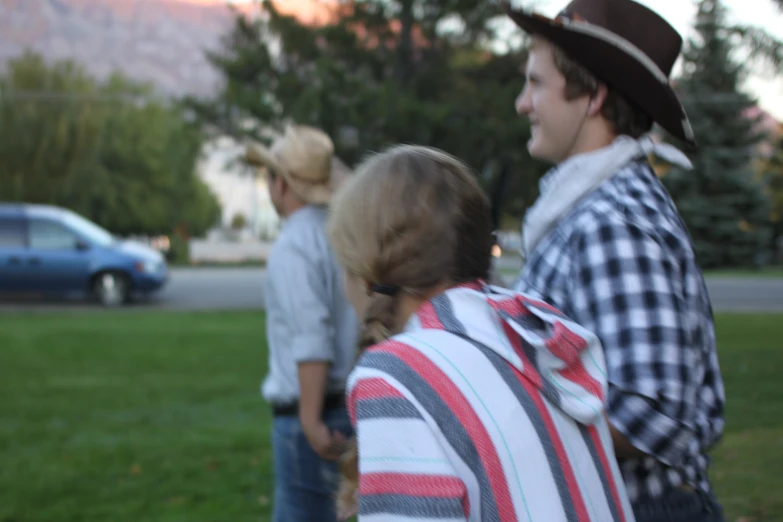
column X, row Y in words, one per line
column 445, row 312
column 529, row 322
column 397, row 408
column 447, row 421
column 613, row 507
column 508, row 375
column 548, row 389
column 411, row 506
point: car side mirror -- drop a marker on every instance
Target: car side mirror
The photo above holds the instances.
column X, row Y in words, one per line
column 82, row 245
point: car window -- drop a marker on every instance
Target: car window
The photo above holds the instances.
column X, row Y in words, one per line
column 88, row 230
column 50, row 235
column 11, row 232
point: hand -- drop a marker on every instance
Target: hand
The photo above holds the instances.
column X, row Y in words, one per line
column 348, row 508
column 328, row 445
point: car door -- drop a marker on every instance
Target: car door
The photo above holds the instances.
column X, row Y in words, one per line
column 57, row 260
column 12, row 254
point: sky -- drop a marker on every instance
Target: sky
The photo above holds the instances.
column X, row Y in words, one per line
column 680, row 14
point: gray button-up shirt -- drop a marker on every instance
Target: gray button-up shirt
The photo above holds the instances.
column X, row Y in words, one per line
column 308, row 316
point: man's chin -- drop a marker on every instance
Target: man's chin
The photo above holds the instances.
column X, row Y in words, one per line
column 534, row 149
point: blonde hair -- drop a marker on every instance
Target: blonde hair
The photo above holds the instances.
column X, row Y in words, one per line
column 410, row 218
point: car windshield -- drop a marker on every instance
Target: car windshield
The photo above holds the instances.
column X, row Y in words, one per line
column 89, row 230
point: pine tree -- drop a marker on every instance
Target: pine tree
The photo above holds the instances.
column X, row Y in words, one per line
column 724, row 207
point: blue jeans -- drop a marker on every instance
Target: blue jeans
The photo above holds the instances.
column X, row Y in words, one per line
column 305, row 484
column 679, row 505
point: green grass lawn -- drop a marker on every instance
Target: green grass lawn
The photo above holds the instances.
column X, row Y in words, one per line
column 156, row 417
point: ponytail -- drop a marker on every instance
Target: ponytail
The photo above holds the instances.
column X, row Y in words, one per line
column 379, row 322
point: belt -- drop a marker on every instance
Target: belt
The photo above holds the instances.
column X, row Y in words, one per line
column 333, row 401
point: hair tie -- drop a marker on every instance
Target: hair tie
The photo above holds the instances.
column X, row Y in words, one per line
column 389, row 290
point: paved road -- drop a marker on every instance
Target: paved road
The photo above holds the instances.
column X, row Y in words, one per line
column 242, row 288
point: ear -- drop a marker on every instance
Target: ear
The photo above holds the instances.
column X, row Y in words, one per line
column 597, row 100
column 282, row 185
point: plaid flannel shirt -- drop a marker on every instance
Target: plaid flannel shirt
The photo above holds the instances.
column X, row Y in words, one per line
column 621, row 264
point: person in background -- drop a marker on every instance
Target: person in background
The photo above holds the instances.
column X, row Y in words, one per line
column 470, row 402
column 311, row 328
column 605, row 244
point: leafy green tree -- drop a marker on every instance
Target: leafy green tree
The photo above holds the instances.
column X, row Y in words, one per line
column 772, row 174
column 383, row 72
column 109, row 151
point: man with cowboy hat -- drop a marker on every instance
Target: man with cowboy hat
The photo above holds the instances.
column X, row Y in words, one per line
column 605, row 244
column 311, row 327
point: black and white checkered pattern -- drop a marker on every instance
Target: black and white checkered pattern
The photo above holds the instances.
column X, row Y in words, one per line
column 621, row 264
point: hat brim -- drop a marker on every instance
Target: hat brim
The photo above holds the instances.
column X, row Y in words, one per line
column 260, row 156
column 340, row 173
column 613, row 62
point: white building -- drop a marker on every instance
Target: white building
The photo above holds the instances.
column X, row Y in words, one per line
column 238, row 188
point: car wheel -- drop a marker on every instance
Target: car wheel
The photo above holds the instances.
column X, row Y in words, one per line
column 111, row 288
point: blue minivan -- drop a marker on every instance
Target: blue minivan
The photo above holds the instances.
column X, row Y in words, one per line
column 52, row 251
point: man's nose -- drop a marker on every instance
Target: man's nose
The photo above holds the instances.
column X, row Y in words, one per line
column 522, row 103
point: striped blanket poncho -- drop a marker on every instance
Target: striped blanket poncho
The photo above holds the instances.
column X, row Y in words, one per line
column 487, row 407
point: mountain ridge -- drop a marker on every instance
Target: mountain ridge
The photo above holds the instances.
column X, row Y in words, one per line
column 157, row 41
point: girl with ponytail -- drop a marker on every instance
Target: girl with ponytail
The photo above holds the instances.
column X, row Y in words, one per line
column 470, row 402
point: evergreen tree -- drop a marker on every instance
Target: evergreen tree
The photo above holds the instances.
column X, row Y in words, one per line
column 724, row 207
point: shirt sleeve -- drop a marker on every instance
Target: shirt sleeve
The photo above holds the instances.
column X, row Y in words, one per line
column 404, row 473
column 301, row 296
column 626, row 287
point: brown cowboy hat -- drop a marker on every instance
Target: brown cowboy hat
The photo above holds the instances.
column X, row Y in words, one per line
column 624, row 44
column 304, row 156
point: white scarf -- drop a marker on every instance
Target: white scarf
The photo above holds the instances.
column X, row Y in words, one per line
column 563, row 186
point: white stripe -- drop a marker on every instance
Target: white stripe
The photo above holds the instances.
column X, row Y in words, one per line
column 407, row 448
column 584, row 467
column 385, row 517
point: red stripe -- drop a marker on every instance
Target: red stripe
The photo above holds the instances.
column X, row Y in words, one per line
column 567, row 345
column 370, row 388
column 511, row 306
column 410, row 484
column 515, row 309
column 578, row 375
column 375, row 388
column 599, row 447
column 429, row 317
column 528, row 370
column 459, row 405
column 565, row 464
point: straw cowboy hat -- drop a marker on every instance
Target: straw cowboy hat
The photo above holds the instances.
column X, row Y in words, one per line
column 304, row 156
column 624, row 44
